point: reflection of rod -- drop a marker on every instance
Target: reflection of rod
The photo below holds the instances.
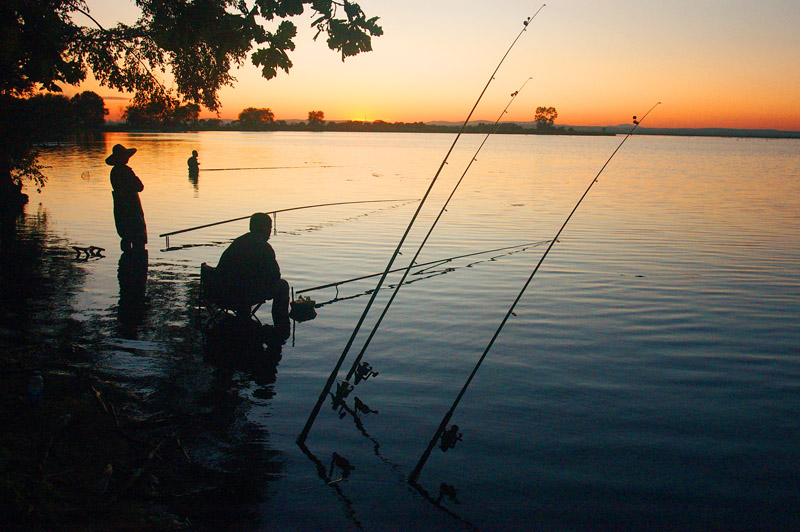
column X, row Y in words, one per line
column 420, row 265
column 277, row 211
column 332, row 378
column 323, row 474
column 427, row 236
column 438, row 504
column 415, row 474
column 396, row 469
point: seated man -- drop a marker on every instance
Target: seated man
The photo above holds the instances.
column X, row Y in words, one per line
column 248, row 274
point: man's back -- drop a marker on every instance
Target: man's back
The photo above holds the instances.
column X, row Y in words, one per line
column 247, row 270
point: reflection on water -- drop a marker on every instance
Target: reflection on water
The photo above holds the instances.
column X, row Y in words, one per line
column 132, row 276
column 145, row 341
column 194, row 179
column 39, row 274
column 655, row 353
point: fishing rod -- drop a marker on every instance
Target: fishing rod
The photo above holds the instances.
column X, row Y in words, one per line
column 179, row 231
column 421, row 265
column 441, row 429
column 332, row 378
column 430, row 231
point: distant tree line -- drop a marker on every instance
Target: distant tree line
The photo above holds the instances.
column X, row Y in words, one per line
column 51, row 116
column 166, row 116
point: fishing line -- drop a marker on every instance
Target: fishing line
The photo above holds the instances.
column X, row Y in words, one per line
column 332, row 378
column 421, row 275
column 179, row 231
column 266, row 168
column 430, row 231
column 418, row 468
column 421, row 265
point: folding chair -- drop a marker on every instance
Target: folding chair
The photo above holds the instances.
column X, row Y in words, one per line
column 215, row 303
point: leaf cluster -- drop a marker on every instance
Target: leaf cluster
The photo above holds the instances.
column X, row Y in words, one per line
column 36, row 39
column 197, row 42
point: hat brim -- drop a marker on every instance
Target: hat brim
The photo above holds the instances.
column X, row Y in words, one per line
column 120, row 157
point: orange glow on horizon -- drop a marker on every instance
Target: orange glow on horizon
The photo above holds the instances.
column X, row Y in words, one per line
column 722, row 114
column 732, row 72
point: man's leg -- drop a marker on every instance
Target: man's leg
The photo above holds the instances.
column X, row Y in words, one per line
column 280, row 304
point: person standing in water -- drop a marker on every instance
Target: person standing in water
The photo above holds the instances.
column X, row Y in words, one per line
column 194, row 170
column 194, row 166
column 128, row 213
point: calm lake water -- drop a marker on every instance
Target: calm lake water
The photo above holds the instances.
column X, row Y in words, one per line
column 650, row 379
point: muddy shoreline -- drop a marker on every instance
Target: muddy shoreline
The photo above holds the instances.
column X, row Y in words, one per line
column 100, row 453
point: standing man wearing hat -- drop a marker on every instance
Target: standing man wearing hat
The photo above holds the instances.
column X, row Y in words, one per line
column 128, row 213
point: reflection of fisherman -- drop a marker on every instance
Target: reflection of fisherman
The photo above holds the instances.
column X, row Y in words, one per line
column 128, row 214
column 132, row 276
column 194, row 166
column 248, row 274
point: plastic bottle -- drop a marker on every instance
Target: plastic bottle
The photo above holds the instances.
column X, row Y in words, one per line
column 35, row 388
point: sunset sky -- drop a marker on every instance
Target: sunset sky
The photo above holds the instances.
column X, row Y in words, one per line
column 713, row 63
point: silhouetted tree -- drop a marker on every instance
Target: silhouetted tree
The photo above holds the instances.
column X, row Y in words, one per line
column 256, row 119
column 51, row 115
column 186, row 115
column 545, row 117
column 316, row 119
column 90, row 110
column 162, row 114
column 209, row 123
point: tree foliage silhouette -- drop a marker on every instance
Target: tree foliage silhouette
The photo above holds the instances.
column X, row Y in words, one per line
column 90, row 110
column 256, row 119
column 161, row 113
column 197, row 41
column 545, row 117
column 316, row 119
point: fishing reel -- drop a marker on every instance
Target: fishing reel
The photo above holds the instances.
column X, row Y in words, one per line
column 363, row 372
column 343, row 389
